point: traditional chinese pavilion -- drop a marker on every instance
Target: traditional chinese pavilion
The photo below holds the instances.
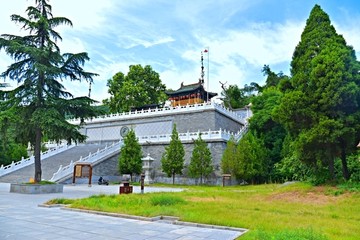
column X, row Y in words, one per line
column 192, row 93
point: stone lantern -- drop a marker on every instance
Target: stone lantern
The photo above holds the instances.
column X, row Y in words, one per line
column 147, row 162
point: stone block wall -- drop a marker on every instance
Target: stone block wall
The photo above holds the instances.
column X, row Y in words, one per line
column 204, row 120
column 109, row 168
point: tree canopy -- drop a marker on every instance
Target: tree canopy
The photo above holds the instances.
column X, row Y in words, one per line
column 41, row 101
column 10, row 150
column 235, row 97
column 201, row 161
column 322, row 111
column 172, row 161
column 141, row 86
column 130, row 155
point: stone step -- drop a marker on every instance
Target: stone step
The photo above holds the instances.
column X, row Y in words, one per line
column 50, row 165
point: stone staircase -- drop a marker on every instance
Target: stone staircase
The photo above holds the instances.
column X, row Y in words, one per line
column 50, row 165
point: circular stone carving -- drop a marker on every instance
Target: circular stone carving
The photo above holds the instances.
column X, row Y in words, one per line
column 124, row 131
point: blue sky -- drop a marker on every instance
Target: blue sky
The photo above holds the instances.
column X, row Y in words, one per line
column 169, row 35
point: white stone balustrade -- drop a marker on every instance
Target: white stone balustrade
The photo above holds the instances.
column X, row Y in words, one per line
column 162, row 111
column 28, row 161
column 188, row 136
column 92, row 158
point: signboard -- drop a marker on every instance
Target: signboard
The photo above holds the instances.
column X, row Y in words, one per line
column 78, row 171
column 82, row 170
column 85, row 171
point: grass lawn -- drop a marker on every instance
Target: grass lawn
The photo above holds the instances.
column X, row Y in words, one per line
column 296, row 211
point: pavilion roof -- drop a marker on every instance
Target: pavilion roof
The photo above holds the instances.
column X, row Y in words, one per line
column 185, row 89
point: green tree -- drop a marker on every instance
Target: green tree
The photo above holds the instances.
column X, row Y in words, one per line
column 229, row 161
column 10, row 151
column 251, row 155
column 172, row 160
column 322, row 111
column 141, row 86
column 130, row 155
column 201, row 161
column 275, row 80
column 40, row 101
column 264, row 127
column 235, row 97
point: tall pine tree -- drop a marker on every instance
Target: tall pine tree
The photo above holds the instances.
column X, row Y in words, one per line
column 40, row 101
column 322, row 112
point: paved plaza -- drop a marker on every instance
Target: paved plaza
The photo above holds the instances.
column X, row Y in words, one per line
column 21, row 218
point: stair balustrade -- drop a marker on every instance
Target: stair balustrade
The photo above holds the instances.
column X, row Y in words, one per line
column 28, row 161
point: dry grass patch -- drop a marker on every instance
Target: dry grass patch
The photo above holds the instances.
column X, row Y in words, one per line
column 316, row 198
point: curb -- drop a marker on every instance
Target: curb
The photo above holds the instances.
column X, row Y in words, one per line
column 163, row 219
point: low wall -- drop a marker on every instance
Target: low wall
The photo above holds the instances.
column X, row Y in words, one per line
column 36, row 188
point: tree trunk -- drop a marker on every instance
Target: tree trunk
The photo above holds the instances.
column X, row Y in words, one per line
column 173, row 176
column 345, row 169
column 201, row 179
column 37, row 152
column 332, row 168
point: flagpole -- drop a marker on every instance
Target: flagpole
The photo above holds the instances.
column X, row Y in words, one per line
column 208, row 54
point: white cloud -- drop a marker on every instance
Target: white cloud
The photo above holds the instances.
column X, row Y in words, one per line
column 134, row 41
column 351, row 34
column 236, row 54
column 84, row 14
column 169, row 35
column 260, row 44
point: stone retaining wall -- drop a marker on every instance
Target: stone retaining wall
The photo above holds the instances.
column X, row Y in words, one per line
column 204, row 120
column 109, row 168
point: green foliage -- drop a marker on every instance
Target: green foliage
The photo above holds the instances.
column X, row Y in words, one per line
column 141, row 86
column 10, row 151
column 40, row 101
column 321, row 110
column 130, row 155
column 166, row 200
column 235, row 97
column 354, row 167
column 229, row 161
column 273, row 79
column 350, row 186
column 245, row 160
column 172, row 161
column 200, row 162
column 251, row 155
column 292, row 169
column 263, row 126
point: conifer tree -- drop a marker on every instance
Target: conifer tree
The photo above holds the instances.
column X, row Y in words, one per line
column 40, row 100
column 251, row 159
column 201, row 161
column 172, row 161
column 322, row 111
column 229, row 162
column 130, row 155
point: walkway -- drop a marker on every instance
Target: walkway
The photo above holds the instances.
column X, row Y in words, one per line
column 21, row 218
